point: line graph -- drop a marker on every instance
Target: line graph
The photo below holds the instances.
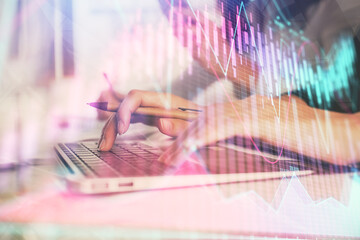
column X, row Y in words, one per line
column 301, row 72
column 242, row 8
column 291, row 210
column 225, row 69
column 294, row 211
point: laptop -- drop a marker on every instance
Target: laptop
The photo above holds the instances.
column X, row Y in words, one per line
column 133, row 166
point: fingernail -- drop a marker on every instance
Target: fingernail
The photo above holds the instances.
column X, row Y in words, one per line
column 101, row 144
column 167, row 125
column 121, row 127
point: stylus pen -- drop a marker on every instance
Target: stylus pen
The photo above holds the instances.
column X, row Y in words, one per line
column 188, row 114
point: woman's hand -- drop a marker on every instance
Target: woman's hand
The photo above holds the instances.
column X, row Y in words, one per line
column 282, row 122
column 119, row 123
column 218, row 122
column 287, row 123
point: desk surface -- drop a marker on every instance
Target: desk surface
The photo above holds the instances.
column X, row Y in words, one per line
column 315, row 204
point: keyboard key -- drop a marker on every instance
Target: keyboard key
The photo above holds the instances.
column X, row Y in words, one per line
column 123, row 159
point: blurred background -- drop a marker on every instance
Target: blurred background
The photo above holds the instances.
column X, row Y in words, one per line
column 53, row 54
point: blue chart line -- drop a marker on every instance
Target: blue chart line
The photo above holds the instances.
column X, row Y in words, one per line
column 339, row 67
column 281, row 13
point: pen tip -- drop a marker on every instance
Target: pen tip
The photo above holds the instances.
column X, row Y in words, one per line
column 99, row 105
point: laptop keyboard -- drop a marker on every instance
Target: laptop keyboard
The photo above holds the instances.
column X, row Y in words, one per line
column 122, row 160
column 139, row 160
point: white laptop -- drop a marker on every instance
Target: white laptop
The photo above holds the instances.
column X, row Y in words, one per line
column 133, row 166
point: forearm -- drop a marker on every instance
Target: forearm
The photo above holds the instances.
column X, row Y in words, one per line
column 326, row 135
